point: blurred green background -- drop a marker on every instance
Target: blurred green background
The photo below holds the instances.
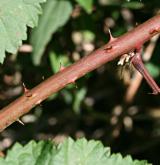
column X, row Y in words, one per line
column 99, row 106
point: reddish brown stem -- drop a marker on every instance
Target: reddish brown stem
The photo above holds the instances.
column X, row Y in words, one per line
column 108, row 52
column 138, row 64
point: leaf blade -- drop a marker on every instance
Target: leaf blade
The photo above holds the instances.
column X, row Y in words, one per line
column 56, row 14
column 70, row 152
column 13, row 23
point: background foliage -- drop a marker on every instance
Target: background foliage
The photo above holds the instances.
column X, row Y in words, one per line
column 95, row 106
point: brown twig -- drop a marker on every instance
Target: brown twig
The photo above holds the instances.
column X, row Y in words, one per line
column 108, row 52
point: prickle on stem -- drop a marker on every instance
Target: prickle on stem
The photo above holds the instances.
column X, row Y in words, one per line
column 24, row 88
column 111, row 39
column 39, row 102
column 26, row 91
column 19, row 121
column 108, row 48
column 61, row 68
column 154, row 31
column 73, row 81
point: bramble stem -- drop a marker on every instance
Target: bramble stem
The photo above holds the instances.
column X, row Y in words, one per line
column 108, row 52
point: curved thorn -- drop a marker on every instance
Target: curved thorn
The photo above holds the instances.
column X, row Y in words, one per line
column 19, row 121
column 111, row 38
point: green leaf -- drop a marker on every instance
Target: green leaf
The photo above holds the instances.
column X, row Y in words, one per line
column 86, row 4
column 15, row 16
column 70, row 152
column 55, row 14
column 91, row 152
column 33, row 153
column 117, row 159
column 81, row 152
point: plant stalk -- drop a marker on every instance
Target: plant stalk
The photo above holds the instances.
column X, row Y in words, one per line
column 115, row 48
